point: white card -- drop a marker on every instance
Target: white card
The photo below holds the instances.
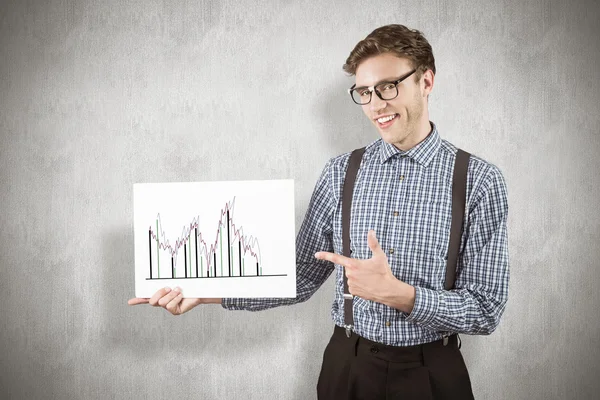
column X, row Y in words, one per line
column 215, row 239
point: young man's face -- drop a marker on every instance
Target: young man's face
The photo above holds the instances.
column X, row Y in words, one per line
column 410, row 124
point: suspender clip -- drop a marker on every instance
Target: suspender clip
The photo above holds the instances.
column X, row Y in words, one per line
column 445, row 340
column 349, row 330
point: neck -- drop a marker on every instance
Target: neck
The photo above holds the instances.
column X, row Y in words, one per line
column 420, row 133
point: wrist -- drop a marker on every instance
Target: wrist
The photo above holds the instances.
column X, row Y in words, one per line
column 211, row 301
column 400, row 296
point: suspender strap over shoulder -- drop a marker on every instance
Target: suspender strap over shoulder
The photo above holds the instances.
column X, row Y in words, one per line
column 459, row 195
column 347, row 191
column 459, row 186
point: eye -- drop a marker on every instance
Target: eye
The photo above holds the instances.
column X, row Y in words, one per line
column 363, row 92
column 388, row 86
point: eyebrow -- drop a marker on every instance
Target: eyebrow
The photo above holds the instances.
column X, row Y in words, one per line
column 381, row 81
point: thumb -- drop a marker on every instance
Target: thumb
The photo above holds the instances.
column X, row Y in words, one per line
column 373, row 243
column 137, row 300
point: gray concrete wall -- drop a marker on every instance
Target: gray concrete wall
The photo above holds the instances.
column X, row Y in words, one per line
column 96, row 96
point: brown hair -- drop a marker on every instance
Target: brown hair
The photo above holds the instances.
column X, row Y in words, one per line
column 397, row 39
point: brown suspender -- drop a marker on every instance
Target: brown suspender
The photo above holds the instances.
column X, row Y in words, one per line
column 459, row 194
column 348, row 190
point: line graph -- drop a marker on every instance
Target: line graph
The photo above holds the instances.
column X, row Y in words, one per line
column 207, row 253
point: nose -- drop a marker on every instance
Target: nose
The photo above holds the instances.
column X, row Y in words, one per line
column 376, row 103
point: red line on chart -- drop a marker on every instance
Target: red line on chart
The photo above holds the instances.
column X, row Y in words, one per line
column 227, row 235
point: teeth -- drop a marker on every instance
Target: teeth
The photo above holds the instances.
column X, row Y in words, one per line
column 386, row 119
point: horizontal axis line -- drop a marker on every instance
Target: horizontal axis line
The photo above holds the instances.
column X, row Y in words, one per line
column 211, row 277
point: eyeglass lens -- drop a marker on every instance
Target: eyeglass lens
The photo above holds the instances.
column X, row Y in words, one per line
column 386, row 90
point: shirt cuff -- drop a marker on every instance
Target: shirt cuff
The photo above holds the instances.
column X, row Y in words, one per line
column 425, row 307
column 232, row 303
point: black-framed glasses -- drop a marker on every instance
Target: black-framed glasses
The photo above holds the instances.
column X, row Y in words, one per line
column 384, row 90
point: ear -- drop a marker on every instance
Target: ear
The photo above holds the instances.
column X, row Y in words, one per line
column 427, row 82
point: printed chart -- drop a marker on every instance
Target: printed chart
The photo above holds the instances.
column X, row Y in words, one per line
column 215, row 239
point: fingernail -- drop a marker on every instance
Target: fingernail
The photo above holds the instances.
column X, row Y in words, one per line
column 168, row 289
column 176, row 289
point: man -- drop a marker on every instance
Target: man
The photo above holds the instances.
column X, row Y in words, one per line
column 403, row 342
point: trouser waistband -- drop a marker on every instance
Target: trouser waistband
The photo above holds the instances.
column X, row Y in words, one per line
column 397, row 353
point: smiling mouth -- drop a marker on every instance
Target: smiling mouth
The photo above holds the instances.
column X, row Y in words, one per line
column 386, row 121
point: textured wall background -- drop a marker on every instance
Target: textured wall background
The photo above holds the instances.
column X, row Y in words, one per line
column 96, row 96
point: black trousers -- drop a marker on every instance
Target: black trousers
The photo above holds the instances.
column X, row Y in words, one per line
column 357, row 368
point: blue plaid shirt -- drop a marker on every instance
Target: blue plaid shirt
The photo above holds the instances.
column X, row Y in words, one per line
column 406, row 197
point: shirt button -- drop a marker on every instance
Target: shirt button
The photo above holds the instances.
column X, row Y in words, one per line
column 391, row 251
column 396, row 213
column 387, row 323
column 401, row 177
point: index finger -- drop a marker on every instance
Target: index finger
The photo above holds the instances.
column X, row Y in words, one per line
column 159, row 295
column 334, row 258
